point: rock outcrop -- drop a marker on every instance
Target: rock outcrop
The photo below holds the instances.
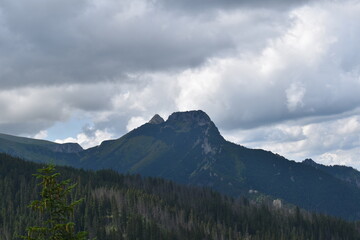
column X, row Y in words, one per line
column 156, row 119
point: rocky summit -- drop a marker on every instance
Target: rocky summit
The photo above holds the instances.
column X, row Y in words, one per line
column 156, row 119
column 191, row 117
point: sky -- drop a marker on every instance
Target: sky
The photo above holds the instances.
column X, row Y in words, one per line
column 281, row 75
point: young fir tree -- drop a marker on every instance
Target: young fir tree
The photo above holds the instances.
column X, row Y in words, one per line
column 54, row 208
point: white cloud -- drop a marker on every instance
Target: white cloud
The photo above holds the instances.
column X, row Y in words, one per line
column 340, row 157
column 38, row 108
column 41, row 135
column 334, row 141
column 87, row 141
column 294, row 96
column 135, row 122
column 298, row 74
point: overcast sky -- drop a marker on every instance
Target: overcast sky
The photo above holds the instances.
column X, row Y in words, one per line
column 282, row 75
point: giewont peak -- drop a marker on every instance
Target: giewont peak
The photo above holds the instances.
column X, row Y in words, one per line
column 156, row 119
column 199, row 117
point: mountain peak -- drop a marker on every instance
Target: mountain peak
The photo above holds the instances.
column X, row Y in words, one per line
column 156, row 119
column 310, row 162
column 198, row 116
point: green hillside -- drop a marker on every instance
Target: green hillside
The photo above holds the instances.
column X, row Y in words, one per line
column 40, row 150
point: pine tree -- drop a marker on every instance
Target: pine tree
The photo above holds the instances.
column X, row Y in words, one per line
column 54, row 209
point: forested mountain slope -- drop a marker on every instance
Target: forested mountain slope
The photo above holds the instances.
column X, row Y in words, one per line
column 130, row 207
column 344, row 173
column 188, row 148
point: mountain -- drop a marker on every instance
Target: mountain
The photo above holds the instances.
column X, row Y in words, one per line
column 119, row 207
column 183, row 148
column 189, row 149
column 344, row 173
column 39, row 150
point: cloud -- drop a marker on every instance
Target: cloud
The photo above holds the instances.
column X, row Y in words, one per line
column 91, row 41
column 294, row 95
column 275, row 74
column 41, row 135
column 298, row 74
column 111, row 60
column 89, row 138
column 340, row 157
column 29, row 110
column 200, row 5
column 135, row 122
column 332, row 141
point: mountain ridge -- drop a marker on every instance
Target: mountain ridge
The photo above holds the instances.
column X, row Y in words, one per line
column 344, row 173
column 189, row 149
column 39, row 150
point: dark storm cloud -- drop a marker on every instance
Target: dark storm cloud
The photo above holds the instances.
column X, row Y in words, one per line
column 53, row 42
column 57, row 42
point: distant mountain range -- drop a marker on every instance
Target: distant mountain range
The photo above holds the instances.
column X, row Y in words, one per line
column 189, row 149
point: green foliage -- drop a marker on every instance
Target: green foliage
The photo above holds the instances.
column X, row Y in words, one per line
column 129, row 207
column 54, row 208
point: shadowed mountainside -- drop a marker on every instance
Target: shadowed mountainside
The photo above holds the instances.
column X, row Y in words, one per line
column 188, row 148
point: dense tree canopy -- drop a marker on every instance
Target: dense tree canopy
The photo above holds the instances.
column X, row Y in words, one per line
column 131, row 207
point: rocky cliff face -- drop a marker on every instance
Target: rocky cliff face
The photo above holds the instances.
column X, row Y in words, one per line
column 156, row 119
column 191, row 117
column 67, row 148
column 207, row 134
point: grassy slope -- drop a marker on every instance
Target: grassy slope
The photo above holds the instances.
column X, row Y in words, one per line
column 35, row 150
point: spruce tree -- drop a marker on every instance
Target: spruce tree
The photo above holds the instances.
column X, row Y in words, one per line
column 55, row 209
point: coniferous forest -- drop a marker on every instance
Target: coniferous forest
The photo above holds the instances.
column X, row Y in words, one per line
column 130, row 207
